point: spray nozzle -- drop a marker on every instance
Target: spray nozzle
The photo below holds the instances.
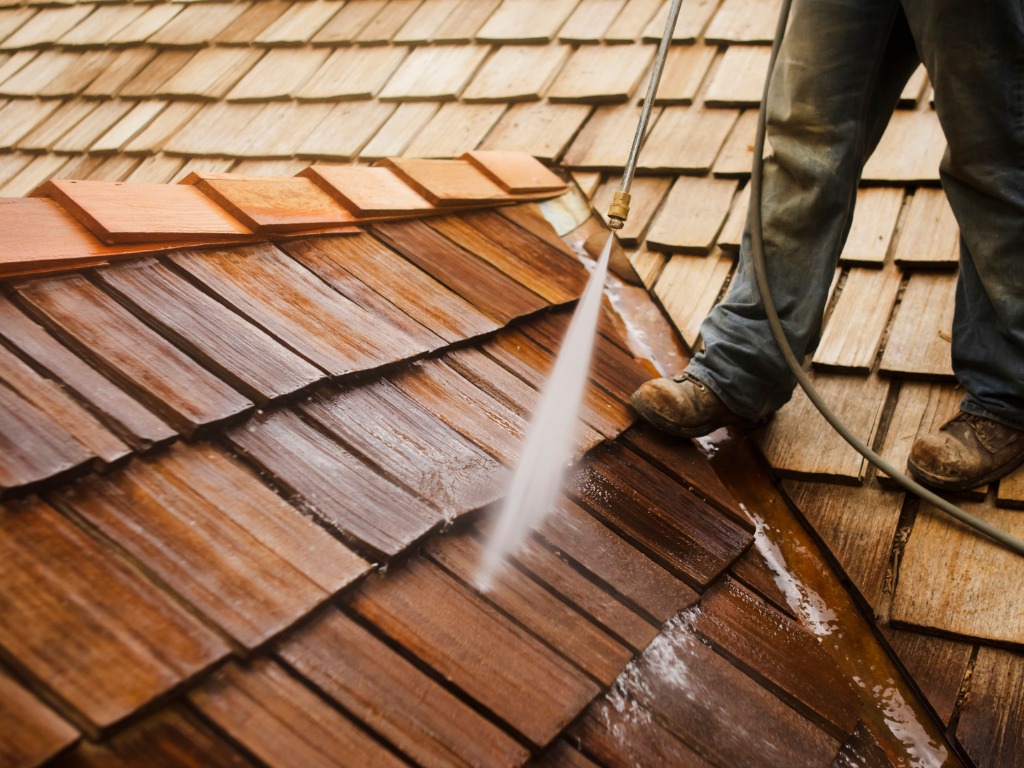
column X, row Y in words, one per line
column 618, row 211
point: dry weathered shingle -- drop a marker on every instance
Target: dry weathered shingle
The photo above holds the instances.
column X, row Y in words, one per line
column 517, row 73
column 353, row 73
column 601, row 74
column 436, row 72
column 541, row 130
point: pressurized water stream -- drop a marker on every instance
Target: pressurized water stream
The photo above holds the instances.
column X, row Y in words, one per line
column 547, row 451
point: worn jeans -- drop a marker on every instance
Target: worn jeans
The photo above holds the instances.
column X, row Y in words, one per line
column 839, row 75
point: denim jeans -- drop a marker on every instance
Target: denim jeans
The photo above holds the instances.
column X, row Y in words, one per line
column 839, row 75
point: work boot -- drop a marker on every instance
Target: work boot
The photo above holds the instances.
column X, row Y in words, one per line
column 683, row 406
column 966, row 452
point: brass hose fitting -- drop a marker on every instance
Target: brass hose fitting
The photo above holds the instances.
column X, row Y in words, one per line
column 618, row 211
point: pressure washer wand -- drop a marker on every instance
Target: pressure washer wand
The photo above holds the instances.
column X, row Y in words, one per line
column 618, row 211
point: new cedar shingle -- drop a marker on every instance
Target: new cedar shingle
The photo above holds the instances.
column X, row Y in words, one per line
column 346, row 129
column 197, row 24
column 425, row 21
column 744, row 21
column 29, row 731
column 133, row 642
column 590, row 20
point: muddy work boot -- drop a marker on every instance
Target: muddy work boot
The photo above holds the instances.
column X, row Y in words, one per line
column 966, row 452
column 684, row 407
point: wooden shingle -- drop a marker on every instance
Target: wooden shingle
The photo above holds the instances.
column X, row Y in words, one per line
column 281, row 721
column 910, row 150
column 692, row 215
column 859, row 318
column 139, row 643
column 590, row 20
column 739, row 78
column 937, row 664
column 922, row 408
column 123, row 68
column 929, row 236
column 693, row 17
column 149, row 78
column 688, row 287
column 921, row 334
column 465, row 21
column 873, row 227
column 454, row 129
column 278, row 75
column 632, row 20
column 994, row 706
column 968, row 596
column 604, row 142
column 517, row 73
column 436, row 72
column 139, row 29
column 30, row 731
column 387, row 23
column 299, row 23
column 686, row 140
column 686, row 66
column 346, row 24
column 345, row 130
column 601, row 74
column 646, row 195
column 526, row 21
column 47, row 26
column 398, row 130
column 209, row 74
column 353, row 73
column 744, row 21
column 197, row 24
column 425, row 21
column 541, row 130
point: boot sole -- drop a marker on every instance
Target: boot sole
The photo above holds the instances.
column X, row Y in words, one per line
column 952, row 484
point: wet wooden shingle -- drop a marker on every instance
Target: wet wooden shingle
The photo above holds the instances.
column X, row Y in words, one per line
column 366, row 508
column 423, row 719
column 133, row 642
column 433, row 617
column 124, row 348
column 292, row 304
column 283, row 722
column 134, row 423
column 220, row 538
column 29, row 731
column 937, row 664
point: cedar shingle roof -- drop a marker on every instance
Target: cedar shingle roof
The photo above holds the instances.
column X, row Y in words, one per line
column 116, row 91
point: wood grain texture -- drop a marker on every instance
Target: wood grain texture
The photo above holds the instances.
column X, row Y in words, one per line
column 990, row 721
column 125, row 416
column 621, row 734
column 133, row 643
column 275, row 205
column 57, row 239
column 367, row 191
column 937, row 665
column 773, row 648
column 369, row 510
column 687, row 140
column 861, row 541
column 739, row 77
column 561, row 754
column 118, row 212
column 853, row 334
column 353, row 73
column 405, row 286
column 533, row 363
column 700, row 697
column 217, row 536
column 919, row 340
column 541, row 130
column 466, row 408
column 910, row 150
column 529, row 260
column 929, row 236
column 124, row 348
column 587, row 595
column 693, row 17
column 483, row 286
column 593, row 547
column 454, row 129
column 435, row 72
column 58, row 407
column 799, row 443
column 516, row 172
column 1011, row 490
column 445, row 182
column 224, row 342
column 601, row 74
column 686, row 66
column 743, row 21
column 278, row 74
column 681, row 532
column 692, row 216
column 178, row 734
column 526, row 21
column 515, row 73
column 976, row 593
column 603, row 143
column 478, row 649
column 292, row 304
column 873, row 227
column 540, row 611
column 688, row 287
column 282, row 722
column 737, row 154
column 30, row 732
column 409, row 444
column 388, row 693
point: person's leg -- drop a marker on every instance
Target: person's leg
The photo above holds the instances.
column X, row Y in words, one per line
column 838, row 77
column 974, row 54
